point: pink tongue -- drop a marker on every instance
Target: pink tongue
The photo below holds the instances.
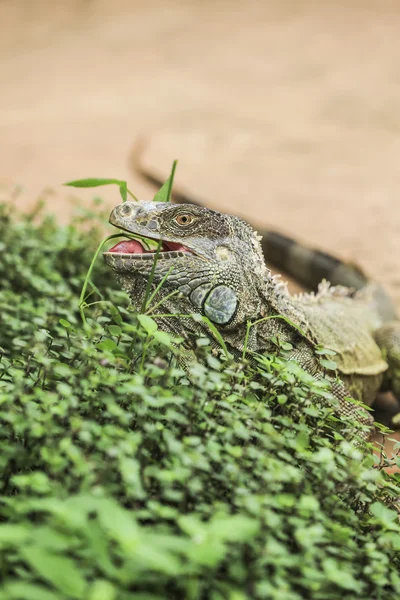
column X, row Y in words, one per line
column 135, row 247
column 128, row 247
column 175, row 246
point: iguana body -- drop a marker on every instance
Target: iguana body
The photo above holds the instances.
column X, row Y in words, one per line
column 215, row 266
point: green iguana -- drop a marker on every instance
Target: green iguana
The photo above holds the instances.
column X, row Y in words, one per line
column 214, row 265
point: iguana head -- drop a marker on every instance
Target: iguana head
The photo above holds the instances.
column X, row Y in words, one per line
column 214, row 261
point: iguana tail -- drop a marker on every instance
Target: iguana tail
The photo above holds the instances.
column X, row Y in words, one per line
column 307, row 266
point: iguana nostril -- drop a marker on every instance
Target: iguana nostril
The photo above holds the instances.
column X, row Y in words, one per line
column 152, row 224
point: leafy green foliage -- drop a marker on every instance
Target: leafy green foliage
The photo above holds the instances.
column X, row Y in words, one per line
column 122, row 480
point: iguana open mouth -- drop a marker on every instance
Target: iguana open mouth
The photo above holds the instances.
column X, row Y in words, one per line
column 135, row 247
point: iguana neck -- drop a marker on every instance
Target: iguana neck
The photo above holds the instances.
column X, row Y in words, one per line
column 280, row 319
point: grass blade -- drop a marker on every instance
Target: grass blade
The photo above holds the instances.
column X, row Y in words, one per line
column 164, row 193
column 91, row 182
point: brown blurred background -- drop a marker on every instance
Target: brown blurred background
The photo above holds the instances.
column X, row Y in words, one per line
column 287, row 112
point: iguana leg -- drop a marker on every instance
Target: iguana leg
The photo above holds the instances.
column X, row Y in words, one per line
column 388, row 339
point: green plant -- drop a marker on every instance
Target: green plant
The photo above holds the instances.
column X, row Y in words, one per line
column 120, row 480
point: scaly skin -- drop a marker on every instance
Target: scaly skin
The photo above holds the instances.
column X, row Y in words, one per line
column 216, row 267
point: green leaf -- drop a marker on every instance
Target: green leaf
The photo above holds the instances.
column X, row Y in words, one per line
column 62, row 572
column 207, row 553
column 94, row 182
column 344, row 579
column 328, row 364
column 51, row 539
column 191, row 525
column 13, row 535
column 115, row 330
column 65, row 323
column 115, row 314
column 163, row 337
column 382, row 512
column 23, row 590
column 282, row 399
column 164, row 193
column 119, row 524
column 144, row 596
column 153, row 557
column 308, row 503
column 102, row 590
column 91, row 182
column 107, row 345
column 324, row 351
column 236, row 528
column 148, row 324
column 130, row 472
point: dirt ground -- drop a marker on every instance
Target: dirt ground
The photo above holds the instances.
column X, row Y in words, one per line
column 286, row 112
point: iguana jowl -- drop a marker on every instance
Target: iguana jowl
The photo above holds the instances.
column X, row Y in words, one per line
column 216, row 266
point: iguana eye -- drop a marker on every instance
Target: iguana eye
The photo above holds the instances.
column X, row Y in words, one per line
column 184, row 219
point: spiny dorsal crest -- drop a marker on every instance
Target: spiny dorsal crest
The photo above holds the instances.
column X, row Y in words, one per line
column 325, row 291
